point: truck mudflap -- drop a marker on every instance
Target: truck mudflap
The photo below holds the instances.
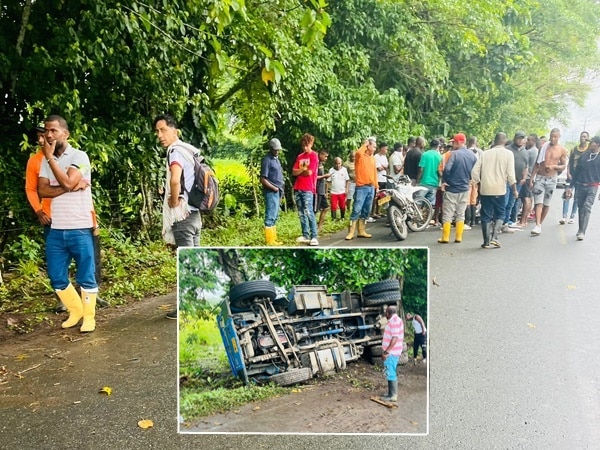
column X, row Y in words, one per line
column 232, row 347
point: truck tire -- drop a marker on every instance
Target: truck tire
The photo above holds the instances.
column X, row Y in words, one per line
column 292, row 376
column 382, row 298
column 241, row 295
column 381, row 286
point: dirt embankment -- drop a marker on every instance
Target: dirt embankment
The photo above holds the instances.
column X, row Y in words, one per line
column 337, row 404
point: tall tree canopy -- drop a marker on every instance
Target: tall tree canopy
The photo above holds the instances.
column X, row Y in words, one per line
column 239, row 69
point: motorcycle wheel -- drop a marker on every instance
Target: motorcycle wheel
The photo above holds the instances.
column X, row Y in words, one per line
column 397, row 222
column 422, row 216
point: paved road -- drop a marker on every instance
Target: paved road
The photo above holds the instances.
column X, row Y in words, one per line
column 514, row 360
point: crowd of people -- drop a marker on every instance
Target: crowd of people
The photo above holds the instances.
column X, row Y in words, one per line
column 501, row 187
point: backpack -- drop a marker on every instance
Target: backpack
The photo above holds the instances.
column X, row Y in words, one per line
column 204, row 194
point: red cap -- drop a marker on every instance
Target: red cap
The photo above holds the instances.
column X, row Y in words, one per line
column 460, row 138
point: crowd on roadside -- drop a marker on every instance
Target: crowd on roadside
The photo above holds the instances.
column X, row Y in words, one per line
column 501, row 187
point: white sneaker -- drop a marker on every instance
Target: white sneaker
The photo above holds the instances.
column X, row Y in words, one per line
column 466, row 227
column 571, row 220
column 302, row 240
column 507, row 230
column 314, row 242
column 370, row 220
column 537, row 230
column 580, row 236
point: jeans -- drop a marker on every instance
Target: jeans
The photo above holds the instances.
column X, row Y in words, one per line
column 585, row 196
column 430, row 194
column 389, row 367
column 187, row 232
column 509, row 202
column 62, row 246
column 363, row 199
column 492, row 207
column 308, row 221
column 566, row 201
column 272, row 200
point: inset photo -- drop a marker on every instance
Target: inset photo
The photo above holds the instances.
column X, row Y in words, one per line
column 303, row 341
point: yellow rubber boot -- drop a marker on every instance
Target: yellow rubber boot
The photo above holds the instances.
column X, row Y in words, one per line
column 351, row 230
column 362, row 229
column 445, row 233
column 460, row 226
column 72, row 302
column 271, row 236
column 89, row 311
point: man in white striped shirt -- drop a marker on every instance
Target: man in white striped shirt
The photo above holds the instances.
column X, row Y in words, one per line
column 65, row 176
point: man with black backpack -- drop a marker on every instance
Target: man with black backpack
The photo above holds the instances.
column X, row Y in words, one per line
column 181, row 221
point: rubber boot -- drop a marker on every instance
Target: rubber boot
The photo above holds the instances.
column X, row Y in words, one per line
column 392, row 392
column 496, row 229
column 460, row 226
column 72, row 301
column 362, row 229
column 445, row 233
column 271, row 236
column 351, row 230
column 485, row 230
column 333, row 214
column 342, row 213
column 89, row 311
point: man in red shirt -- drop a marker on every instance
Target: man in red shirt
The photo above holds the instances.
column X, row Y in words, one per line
column 305, row 187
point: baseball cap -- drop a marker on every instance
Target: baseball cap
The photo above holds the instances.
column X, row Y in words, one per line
column 520, row 134
column 460, row 138
column 274, row 144
column 596, row 139
column 40, row 128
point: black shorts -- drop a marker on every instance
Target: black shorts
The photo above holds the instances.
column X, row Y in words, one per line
column 525, row 192
column 321, row 203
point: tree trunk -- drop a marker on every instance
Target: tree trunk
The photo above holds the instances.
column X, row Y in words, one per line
column 230, row 261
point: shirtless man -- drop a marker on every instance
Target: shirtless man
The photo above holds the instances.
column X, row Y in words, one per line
column 551, row 160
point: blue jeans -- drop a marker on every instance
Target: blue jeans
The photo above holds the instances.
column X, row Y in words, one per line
column 308, row 221
column 62, row 246
column 430, row 194
column 566, row 202
column 493, row 207
column 509, row 202
column 187, row 232
column 272, row 199
column 363, row 199
column 389, row 366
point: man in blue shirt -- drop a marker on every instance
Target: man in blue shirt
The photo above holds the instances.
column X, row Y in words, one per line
column 271, row 178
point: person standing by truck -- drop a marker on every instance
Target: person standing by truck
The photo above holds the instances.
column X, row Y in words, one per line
column 393, row 339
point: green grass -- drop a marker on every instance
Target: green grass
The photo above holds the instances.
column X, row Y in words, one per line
column 239, row 232
column 207, row 385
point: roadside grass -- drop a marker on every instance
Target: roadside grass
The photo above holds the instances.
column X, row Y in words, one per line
column 131, row 270
column 249, row 231
column 206, row 384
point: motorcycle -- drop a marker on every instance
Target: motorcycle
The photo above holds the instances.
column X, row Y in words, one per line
column 408, row 208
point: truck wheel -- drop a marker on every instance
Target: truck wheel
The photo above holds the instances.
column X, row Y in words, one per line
column 381, row 286
column 382, row 298
column 292, row 376
column 241, row 295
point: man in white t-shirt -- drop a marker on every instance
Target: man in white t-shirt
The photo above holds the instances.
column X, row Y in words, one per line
column 338, row 188
column 396, row 162
column 181, row 222
column 381, row 165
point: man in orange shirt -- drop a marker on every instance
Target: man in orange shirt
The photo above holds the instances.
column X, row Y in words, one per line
column 40, row 207
column 366, row 183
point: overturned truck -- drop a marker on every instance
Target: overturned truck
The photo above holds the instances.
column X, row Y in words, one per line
column 310, row 332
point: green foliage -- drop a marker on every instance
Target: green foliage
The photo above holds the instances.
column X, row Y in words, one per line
column 25, row 249
column 200, row 340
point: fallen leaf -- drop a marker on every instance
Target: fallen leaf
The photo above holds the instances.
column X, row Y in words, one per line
column 145, row 424
column 165, row 307
column 106, row 390
column 77, row 402
column 12, row 322
column 530, row 325
column 256, row 408
column 571, row 287
column 21, row 357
